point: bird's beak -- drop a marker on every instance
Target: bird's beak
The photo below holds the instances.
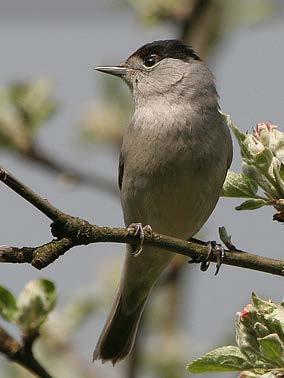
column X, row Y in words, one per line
column 113, row 70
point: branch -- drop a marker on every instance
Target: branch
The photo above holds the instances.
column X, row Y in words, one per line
column 71, row 231
column 18, row 353
column 192, row 19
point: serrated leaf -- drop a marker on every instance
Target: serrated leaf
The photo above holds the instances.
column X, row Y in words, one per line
column 253, row 172
column 271, row 347
column 239, row 185
column 8, row 305
column 279, row 183
column 34, row 303
column 273, row 139
column 251, row 147
column 279, row 152
column 270, row 314
column 265, row 307
column 252, row 204
column 228, row 358
column 275, row 325
column 260, row 329
column 240, row 136
column 263, row 160
column 248, row 345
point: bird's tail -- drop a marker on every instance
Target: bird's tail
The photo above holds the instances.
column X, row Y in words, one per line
column 118, row 335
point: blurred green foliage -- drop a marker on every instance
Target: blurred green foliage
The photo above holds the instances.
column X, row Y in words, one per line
column 30, row 310
column 104, row 121
column 24, row 107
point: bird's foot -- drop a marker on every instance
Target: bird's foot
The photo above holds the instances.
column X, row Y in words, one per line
column 137, row 229
column 218, row 250
column 213, row 249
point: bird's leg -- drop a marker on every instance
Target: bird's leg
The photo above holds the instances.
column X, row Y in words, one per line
column 137, row 229
column 218, row 250
column 213, row 248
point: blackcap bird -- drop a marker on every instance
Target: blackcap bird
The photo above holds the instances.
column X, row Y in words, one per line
column 174, row 159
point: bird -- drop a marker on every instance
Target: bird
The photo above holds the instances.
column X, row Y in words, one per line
column 174, row 159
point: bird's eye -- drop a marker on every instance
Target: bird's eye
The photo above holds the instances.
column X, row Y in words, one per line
column 150, row 61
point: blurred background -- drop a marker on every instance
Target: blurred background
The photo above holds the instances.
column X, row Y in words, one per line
column 61, row 125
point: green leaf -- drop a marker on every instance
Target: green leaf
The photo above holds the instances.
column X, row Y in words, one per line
column 34, row 100
column 252, row 204
column 250, row 148
column 49, row 291
column 271, row 347
column 265, row 307
column 35, row 302
column 263, row 160
column 240, row 136
column 228, row 358
column 239, row 185
column 254, row 173
column 8, row 305
column 247, row 341
column 249, row 145
column 260, row 329
column 279, row 183
column 279, row 151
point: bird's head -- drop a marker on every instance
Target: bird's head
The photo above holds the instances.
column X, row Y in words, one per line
column 168, row 69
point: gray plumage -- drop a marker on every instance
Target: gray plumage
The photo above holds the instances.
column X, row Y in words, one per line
column 174, row 159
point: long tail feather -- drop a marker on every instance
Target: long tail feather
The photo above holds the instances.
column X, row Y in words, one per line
column 118, row 336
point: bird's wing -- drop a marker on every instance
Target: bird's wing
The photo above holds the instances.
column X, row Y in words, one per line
column 120, row 170
column 230, row 150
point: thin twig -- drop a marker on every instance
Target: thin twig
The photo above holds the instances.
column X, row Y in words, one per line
column 71, row 231
column 38, row 156
column 187, row 25
column 15, row 352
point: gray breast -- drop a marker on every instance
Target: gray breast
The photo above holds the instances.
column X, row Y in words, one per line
column 173, row 171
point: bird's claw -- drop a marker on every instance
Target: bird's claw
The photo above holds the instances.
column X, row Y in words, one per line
column 218, row 250
column 213, row 248
column 137, row 229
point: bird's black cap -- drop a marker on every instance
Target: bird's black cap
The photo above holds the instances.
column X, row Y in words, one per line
column 170, row 48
